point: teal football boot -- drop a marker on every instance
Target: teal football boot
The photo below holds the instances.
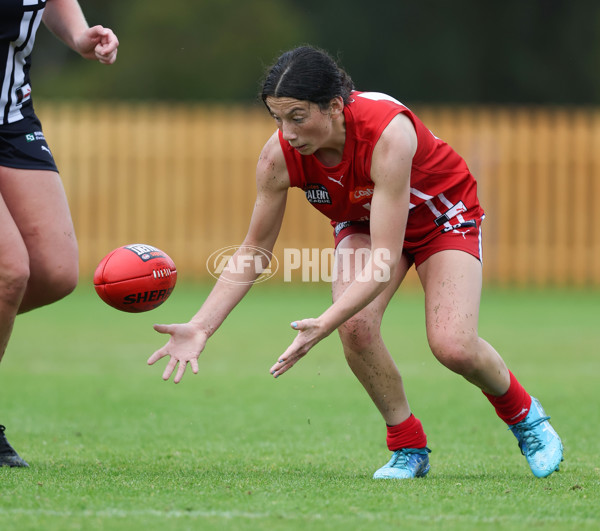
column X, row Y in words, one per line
column 538, row 441
column 406, row 463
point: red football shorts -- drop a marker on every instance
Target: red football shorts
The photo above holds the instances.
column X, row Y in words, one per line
column 459, row 235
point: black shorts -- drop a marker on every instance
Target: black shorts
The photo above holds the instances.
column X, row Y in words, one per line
column 23, row 146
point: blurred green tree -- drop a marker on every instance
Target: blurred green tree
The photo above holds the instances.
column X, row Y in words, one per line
column 179, row 50
column 515, row 51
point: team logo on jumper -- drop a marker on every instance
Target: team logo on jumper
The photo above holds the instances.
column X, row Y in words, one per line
column 360, row 194
column 36, row 135
column 23, row 94
column 337, row 181
column 452, row 212
column 317, row 194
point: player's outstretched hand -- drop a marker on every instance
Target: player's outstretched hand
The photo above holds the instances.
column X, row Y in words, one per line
column 98, row 43
column 310, row 332
column 184, row 346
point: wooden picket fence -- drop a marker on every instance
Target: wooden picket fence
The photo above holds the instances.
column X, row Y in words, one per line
column 181, row 177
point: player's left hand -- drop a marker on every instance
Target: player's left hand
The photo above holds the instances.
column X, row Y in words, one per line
column 310, row 332
column 98, row 43
column 184, row 347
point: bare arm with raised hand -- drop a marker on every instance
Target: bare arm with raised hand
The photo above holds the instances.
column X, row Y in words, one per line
column 390, row 171
column 188, row 340
column 65, row 19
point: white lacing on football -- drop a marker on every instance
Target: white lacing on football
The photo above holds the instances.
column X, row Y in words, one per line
column 161, row 273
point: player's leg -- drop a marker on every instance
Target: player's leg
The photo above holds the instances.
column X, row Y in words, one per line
column 37, row 203
column 38, row 250
column 14, row 272
column 363, row 345
column 452, row 284
column 371, row 362
column 38, row 254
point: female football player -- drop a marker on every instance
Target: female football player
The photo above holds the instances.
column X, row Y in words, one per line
column 394, row 190
column 38, row 249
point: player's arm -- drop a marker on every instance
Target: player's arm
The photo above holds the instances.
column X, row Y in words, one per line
column 390, row 171
column 188, row 340
column 272, row 183
column 65, row 19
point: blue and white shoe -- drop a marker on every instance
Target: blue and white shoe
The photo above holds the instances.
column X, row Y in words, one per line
column 538, row 441
column 406, row 463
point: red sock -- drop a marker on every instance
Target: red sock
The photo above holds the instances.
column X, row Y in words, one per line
column 512, row 406
column 407, row 434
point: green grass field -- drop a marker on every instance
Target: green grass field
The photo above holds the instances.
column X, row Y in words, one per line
column 112, row 446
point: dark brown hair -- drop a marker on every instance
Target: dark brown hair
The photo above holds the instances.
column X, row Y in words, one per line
column 309, row 74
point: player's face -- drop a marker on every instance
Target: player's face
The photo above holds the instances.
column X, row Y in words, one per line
column 303, row 124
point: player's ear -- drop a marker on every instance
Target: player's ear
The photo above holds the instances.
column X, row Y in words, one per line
column 336, row 106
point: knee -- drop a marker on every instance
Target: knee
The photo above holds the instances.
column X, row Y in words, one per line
column 455, row 350
column 64, row 281
column 59, row 282
column 60, row 273
column 14, row 278
column 50, row 284
column 358, row 335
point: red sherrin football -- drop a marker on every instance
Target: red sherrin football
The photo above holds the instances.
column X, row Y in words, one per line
column 135, row 278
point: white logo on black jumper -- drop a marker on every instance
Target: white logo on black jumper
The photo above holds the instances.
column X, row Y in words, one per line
column 317, row 194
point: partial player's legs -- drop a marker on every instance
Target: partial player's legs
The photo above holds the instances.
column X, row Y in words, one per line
column 14, row 273
column 45, row 245
column 364, row 349
column 372, row 364
column 452, row 283
column 38, row 253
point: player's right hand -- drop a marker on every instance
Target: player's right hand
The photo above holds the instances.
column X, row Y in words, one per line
column 98, row 43
column 184, row 346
